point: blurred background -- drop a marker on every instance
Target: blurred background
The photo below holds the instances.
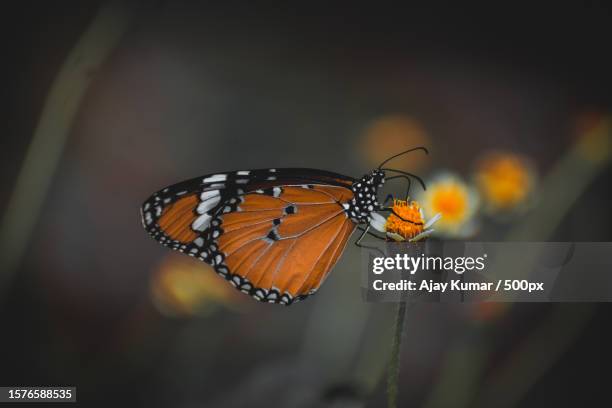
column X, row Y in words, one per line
column 105, row 103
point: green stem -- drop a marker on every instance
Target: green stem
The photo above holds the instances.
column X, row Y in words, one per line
column 394, row 362
column 45, row 150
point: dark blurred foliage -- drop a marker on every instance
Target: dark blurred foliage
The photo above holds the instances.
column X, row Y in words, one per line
column 195, row 88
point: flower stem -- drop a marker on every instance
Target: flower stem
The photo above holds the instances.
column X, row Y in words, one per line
column 44, row 152
column 394, row 362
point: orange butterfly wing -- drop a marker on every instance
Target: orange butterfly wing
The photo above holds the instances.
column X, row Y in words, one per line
column 281, row 248
column 277, row 244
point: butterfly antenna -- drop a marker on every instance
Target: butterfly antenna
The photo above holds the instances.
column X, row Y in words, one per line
column 414, row 176
column 402, row 153
column 405, row 178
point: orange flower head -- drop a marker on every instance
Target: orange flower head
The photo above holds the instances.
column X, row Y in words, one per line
column 411, row 213
column 505, row 180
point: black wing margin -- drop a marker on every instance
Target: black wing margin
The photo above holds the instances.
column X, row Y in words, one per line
column 179, row 215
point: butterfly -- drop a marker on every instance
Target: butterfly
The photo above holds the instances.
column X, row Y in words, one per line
column 274, row 234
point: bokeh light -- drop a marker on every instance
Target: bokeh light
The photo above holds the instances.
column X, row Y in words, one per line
column 183, row 286
column 389, row 135
column 595, row 136
column 505, row 180
column 488, row 311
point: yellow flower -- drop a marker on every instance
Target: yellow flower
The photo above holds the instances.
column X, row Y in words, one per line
column 183, row 287
column 406, row 222
column 505, row 180
column 455, row 201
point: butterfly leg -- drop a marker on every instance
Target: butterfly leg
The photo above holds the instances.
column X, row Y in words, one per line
column 366, row 231
column 363, row 234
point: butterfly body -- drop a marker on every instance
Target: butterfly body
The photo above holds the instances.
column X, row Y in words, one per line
column 364, row 200
column 274, row 234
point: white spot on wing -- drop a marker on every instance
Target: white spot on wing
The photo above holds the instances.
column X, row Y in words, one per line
column 201, row 223
column 243, row 173
column 276, row 191
column 208, row 205
column 209, row 200
column 215, row 178
column 209, row 194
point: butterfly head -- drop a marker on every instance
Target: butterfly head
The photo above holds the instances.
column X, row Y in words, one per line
column 377, row 177
column 364, row 204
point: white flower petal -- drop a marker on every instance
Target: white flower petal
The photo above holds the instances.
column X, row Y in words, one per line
column 432, row 220
column 395, row 237
column 422, row 235
column 377, row 222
